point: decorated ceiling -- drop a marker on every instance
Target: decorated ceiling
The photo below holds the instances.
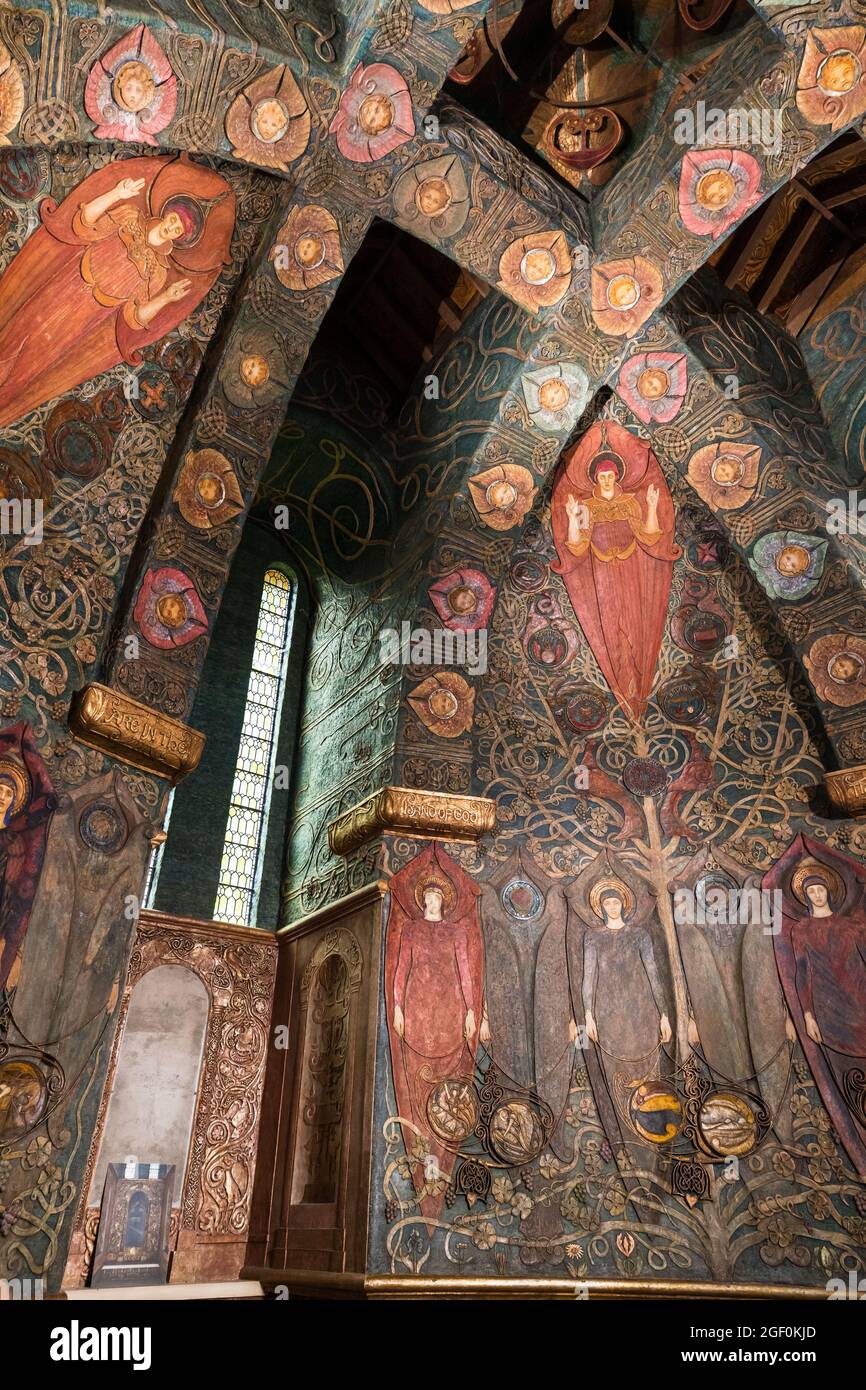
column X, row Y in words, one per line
column 512, row 307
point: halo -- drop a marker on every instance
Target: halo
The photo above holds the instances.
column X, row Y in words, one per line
column 810, row 867
column 15, row 773
column 604, row 886
column 442, row 884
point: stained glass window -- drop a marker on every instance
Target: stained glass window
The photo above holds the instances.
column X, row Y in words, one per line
column 254, row 774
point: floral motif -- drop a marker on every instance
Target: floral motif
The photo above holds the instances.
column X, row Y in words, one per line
column 375, row 114
column 207, row 492
column 434, row 195
column 717, row 188
column 168, row 610
column 837, row 668
column 831, row 83
column 788, row 564
column 725, row 474
column 444, row 703
column 502, row 495
column 11, row 93
column 445, row 6
column 307, row 252
column 555, row 396
column 463, row 599
column 131, row 92
column 536, row 270
column 624, row 294
column 653, row 385
column 269, row 122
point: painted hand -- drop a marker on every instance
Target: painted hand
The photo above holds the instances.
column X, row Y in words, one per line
column 572, row 1031
column 484, row 1030
column 665, row 1034
column 790, row 1030
column 178, row 290
column 652, row 495
column 812, row 1028
column 399, row 1021
column 127, row 188
column 469, row 1026
column 693, row 1034
column 591, row 1030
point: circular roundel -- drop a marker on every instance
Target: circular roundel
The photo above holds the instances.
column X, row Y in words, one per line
column 548, row 646
column 727, row 1124
column 682, row 702
column 645, row 776
column 452, row 1109
column 528, row 573
column 23, row 1096
column 582, row 711
column 516, row 1132
column 102, row 827
column 704, row 632
column 522, row 900
column 656, row 1112
column 708, row 551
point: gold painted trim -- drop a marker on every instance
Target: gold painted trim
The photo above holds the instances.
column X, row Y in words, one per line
column 408, row 811
column 124, row 728
column 847, row 789
column 335, row 911
column 370, row 1286
column 149, row 917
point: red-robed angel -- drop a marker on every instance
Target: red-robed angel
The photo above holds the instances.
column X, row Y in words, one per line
column 821, row 956
column 433, row 992
column 613, row 524
column 124, row 259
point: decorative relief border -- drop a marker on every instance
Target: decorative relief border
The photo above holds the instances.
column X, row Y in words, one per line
column 421, row 813
column 126, row 729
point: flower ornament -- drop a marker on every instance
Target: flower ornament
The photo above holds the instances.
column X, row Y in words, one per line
column 653, row 385
column 831, row 83
column 445, row 704
column 11, row 93
column 445, row 6
column 433, row 196
column 375, row 114
column 168, row 610
column 307, row 252
column 788, row 564
column 463, row 599
column 502, row 495
column 254, row 371
column 837, row 668
column 555, row 396
column 131, row 92
column 624, row 294
column 717, row 188
column 207, row 492
column 725, row 474
column 269, row 123
column 548, row 637
column 536, row 270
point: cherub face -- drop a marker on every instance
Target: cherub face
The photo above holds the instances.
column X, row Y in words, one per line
column 845, row 668
column 433, row 196
column 727, row 471
column 270, row 121
column 715, row 189
column 554, row 394
column 793, row 560
column 502, row 494
column 538, row 266
column 7, row 796
column 623, row 292
column 133, row 87
column 309, row 251
column 171, row 610
column 375, row 115
column 462, row 600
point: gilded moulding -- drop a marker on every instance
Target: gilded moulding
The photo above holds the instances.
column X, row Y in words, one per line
column 847, row 789
column 126, row 729
column 410, row 812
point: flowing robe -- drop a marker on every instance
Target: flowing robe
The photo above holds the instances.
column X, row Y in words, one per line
column 434, row 974
column 618, row 574
column 22, row 844
column 68, row 300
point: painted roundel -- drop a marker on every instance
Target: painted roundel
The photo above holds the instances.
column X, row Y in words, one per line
column 23, row 1097
column 103, row 828
column 717, row 188
column 207, row 492
column 131, row 91
column 463, row 599
column 168, row 610
column 579, row 711
column 645, row 777
column 375, row 114
column 516, row 1132
column 434, row 194
column 452, row 1109
column 653, row 385
column 727, row 1124
column 656, row 1112
column 522, row 900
